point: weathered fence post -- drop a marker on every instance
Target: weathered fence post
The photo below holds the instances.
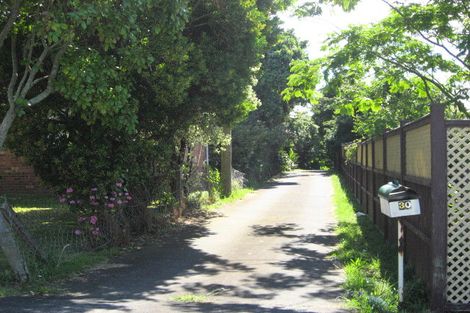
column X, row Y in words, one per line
column 367, row 174
column 384, row 166
column 10, row 247
column 361, row 188
column 438, row 207
column 374, row 184
column 402, row 152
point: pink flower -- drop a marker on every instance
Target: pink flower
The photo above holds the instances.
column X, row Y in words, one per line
column 94, row 189
column 92, row 197
column 129, row 198
column 62, row 200
column 93, row 219
column 81, row 219
column 111, row 205
column 77, row 232
column 94, row 203
column 119, row 202
column 112, row 199
column 69, row 190
column 72, row 202
column 119, row 184
column 126, row 194
column 95, row 231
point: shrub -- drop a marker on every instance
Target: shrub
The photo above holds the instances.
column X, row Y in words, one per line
column 99, row 210
column 198, row 199
column 215, row 186
column 288, row 159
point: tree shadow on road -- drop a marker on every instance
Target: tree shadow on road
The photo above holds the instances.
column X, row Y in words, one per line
column 277, row 184
column 137, row 276
column 311, row 261
column 276, row 230
column 233, row 307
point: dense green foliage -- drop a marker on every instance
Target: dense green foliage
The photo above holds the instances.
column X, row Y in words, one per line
column 139, row 83
column 133, row 79
column 375, row 76
column 261, row 141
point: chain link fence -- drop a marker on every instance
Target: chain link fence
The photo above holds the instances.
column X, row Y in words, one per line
column 50, row 233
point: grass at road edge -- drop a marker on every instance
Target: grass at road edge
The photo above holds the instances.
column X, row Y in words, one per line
column 237, row 194
column 45, row 277
column 369, row 263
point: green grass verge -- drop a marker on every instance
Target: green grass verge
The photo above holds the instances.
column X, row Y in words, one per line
column 44, row 278
column 237, row 194
column 44, row 217
column 370, row 264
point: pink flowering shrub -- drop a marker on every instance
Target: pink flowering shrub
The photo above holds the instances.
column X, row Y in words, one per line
column 94, row 203
column 95, row 200
column 88, row 225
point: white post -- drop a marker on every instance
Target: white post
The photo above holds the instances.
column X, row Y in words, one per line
column 401, row 252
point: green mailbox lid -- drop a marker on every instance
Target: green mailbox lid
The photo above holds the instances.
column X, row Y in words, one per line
column 393, row 191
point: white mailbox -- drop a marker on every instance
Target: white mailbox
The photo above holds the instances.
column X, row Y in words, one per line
column 397, row 200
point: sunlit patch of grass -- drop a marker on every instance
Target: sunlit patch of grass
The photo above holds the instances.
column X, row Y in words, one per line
column 369, row 263
column 47, row 220
column 191, row 298
column 237, row 194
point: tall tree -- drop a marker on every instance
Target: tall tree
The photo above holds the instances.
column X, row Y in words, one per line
column 259, row 139
column 428, row 42
column 393, row 69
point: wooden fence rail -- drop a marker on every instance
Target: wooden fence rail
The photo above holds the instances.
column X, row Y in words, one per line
column 431, row 156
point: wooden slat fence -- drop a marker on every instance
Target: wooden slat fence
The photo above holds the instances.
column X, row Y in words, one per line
column 431, row 156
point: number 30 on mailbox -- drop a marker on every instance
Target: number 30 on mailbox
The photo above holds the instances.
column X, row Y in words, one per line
column 397, row 200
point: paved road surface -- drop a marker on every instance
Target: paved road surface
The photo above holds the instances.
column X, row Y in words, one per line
column 268, row 253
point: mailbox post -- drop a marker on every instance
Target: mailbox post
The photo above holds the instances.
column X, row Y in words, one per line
column 397, row 201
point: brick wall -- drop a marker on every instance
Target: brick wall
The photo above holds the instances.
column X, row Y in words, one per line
column 17, row 177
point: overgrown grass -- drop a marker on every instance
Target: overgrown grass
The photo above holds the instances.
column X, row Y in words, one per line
column 370, row 264
column 47, row 221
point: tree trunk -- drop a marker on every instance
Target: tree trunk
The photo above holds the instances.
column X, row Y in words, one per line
column 6, row 124
column 11, row 250
column 180, row 195
column 226, row 165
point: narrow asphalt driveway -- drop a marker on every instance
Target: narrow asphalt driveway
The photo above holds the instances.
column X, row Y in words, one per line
column 267, row 253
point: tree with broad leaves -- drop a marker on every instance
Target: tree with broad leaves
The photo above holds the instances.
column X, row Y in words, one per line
column 393, row 69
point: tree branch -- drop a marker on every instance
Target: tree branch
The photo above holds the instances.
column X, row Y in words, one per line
column 51, row 78
column 426, row 88
column 34, row 71
column 38, row 80
column 14, row 72
column 29, row 52
column 11, row 20
column 423, row 77
column 426, row 38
